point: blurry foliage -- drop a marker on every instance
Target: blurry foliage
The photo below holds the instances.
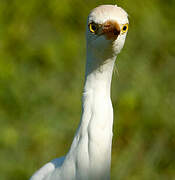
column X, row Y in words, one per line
column 42, row 59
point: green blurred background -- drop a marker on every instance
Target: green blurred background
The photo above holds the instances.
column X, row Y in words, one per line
column 42, row 60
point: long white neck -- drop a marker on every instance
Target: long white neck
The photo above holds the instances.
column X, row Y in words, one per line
column 91, row 147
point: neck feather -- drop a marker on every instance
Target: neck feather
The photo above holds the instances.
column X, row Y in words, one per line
column 98, row 74
column 93, row 140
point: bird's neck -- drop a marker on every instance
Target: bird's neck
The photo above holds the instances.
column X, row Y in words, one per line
column 98, row 76
column 93, row 140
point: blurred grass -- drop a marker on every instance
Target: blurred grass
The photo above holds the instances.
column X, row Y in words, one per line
column 42, row 59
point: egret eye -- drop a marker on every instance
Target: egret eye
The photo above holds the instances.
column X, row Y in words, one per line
column 125, row 28
column 93, row 27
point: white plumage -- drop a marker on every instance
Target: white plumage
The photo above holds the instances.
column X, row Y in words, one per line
column 89, row 157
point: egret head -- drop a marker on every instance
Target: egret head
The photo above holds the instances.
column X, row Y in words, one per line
column 107, row 27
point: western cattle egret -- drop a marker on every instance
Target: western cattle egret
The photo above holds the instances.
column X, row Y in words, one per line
column 89, row 157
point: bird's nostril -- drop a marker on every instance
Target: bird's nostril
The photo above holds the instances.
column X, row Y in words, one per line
column 107, row 25
column 116, row 32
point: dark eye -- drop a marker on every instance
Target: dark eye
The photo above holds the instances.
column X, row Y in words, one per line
column 124, row 28
column 93, row 27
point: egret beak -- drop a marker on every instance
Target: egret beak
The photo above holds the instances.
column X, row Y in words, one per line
column 111, row 30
